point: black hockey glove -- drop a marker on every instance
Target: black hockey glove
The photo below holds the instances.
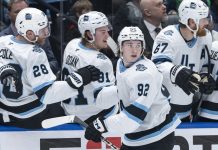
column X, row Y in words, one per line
column 207, row 84
column 89, row 73
column 8, row 74
column 185, row 79
column 83, row 76
column 94, row 130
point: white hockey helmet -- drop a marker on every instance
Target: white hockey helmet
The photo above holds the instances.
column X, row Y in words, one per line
column 91, row 21
column 192, row 9
column 131, row 33
column 31, row 19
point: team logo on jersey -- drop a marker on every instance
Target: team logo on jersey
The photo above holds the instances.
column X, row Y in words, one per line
column 140, row 67
column 101, row 56
column 168, row 32
column 37, row 49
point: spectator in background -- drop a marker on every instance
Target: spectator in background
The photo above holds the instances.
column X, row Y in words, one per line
column 129, row 14
column 79, row 7
column 172, row 6
column 14, row 7
column 154, row 12
column 214, row 13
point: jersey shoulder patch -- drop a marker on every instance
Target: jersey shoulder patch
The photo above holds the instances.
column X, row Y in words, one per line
column 101, row 56
column 169, row 32
column 140, row 67
column 37, row 49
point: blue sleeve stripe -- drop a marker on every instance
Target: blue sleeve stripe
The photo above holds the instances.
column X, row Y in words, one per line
column 132, row 117
column 161, row 60
column 143, row 107
column 42, row 85
column 136, row 111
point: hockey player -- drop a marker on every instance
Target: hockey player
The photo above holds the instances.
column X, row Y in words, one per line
column 145, row 119
column 27, row 82
column 94, row 27
column 209, row 107
column 179, row 52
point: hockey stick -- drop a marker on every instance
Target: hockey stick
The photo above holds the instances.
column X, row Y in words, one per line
column 112, row 44
column 52, row 122
column 197, row 98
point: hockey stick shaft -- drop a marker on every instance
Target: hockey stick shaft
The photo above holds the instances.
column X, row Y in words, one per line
column 79, row 121
column 198, row 104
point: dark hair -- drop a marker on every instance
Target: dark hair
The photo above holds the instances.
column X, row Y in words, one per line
column 80, row 5
column 11, row 2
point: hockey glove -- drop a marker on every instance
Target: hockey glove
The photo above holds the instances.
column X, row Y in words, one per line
column 185, row 79
column 89, row 73
column 74, row 80
column 207, row 84
column 8, row 74
column 94, row 130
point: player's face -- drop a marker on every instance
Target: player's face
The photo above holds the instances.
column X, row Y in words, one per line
column 15, row 9
column 203, row 23
column 131, row 51
column 101, row 35
column 43, row 34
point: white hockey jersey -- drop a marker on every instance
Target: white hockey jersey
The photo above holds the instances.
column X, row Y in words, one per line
column 209, row 106
column 170, row 49
column 77, row 56
column 145, row 115
column 36, row 77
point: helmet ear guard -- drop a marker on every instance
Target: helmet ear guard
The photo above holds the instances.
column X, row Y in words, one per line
column 31, row 19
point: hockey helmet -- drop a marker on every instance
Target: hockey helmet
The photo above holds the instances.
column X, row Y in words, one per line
column 192, row 9
column 31, row 19
column 131, row 33
column 91, row 21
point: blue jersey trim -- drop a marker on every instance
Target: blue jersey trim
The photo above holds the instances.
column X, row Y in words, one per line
column 43, row 85
column 155, row 133
column 84, row 48
column 184, row 114
column 209, row 111
column 161, row 59
column 139, row 121
column 140, row 106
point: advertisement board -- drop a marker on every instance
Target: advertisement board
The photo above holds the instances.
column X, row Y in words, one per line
column 189, row 136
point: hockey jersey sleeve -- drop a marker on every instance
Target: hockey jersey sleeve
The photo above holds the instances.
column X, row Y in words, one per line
column 42, row 80
column 107, row 97
column 143, row 92
column 163, row 54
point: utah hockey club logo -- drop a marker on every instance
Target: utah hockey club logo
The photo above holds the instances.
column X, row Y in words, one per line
column 140, row 67
column 101, row 56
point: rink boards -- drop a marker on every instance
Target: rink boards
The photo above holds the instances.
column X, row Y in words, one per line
column 189, row 136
